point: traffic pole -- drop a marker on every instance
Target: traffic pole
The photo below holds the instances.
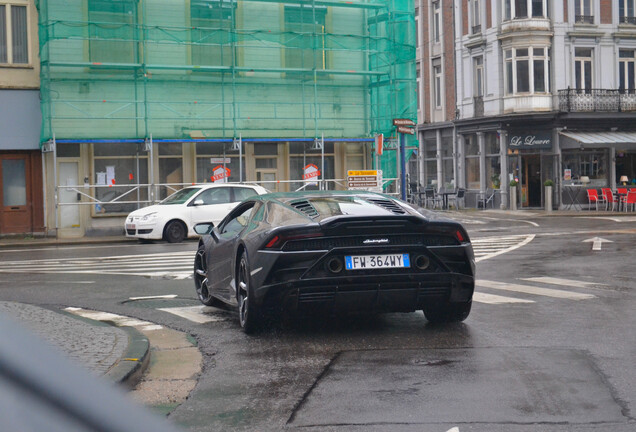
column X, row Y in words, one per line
column 403, row 166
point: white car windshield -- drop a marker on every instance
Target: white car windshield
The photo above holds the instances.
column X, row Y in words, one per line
column 180, row 197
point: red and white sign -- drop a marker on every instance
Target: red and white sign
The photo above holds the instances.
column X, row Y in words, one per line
column 311, row 171
column 379, row 144
column 220, row 174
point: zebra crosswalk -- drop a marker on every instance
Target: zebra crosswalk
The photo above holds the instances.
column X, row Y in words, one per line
column 533, row 291
column 172, row 265
column 179, row 265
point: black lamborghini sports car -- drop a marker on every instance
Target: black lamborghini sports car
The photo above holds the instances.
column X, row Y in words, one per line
column 326, row 252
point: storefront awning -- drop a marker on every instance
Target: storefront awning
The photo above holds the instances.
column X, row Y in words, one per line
column 596, row 139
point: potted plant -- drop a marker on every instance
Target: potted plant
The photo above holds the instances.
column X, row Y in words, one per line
column 513, row 194
column 548, row 194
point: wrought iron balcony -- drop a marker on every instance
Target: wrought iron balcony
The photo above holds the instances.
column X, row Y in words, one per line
column 478, row 105
column 584, row 19
column 627, row 20
column 597, row 100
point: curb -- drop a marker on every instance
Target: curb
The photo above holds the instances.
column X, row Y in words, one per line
column 135, row 360
column 130, row 368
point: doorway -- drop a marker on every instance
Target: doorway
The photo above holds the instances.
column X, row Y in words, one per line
column 531, row 181
column 68, row 200
column 268, row 179
column 15, row 195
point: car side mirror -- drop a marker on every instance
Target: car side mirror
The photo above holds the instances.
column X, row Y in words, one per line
column 204, row 228
column 198, row 202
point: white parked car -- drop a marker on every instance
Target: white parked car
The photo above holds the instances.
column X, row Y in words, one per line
column 174, row 218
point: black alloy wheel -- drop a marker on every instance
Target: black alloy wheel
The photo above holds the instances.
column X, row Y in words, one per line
column 201, row 278
column 447, row 312
column 248, row 312
column 175, row 232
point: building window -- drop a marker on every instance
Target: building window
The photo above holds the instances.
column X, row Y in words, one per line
column 303, row 154
column 493, row 167
column 448, row 163
column 476, row 17
column 437, row 83
column 583, row 12
column 430, row 162
column 212, row 24
column 116, row 165
column 305, row 41
column 471, row 150
column 583, row 69
column 591, row 163
column 626, row 70
column 14, row 35
column 478, row 76
column 436, row 22
column 418, row 78
column 527, row 70
column 112, row 32
column 626, row 11
column 518, row 9
column 216, row 158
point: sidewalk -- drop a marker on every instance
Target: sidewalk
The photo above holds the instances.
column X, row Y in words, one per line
column 26, row 240
column 120, row 354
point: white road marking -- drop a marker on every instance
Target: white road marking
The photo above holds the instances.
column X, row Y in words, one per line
column 495, row 299
column 528, row 222
column 118, row 320
column 597, row 242
column 559, row 281
column 39, row 249
column 167, row 265
column 529, row 289
column 167, row 296
column 614, row 219
column 484, row 249
column 197, row 314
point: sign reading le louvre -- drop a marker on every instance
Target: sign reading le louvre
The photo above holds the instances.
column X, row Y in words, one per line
column 536, row 140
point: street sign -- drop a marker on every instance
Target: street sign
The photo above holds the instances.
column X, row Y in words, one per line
column 219, row 160
column 220, row 174
column 406, row 130
column 403, row 122
column 370, row 180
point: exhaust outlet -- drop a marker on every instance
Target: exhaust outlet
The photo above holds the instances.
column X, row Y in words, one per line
column 422, row 262
column 334, row 265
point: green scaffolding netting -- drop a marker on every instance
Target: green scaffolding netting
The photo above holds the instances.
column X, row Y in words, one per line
column 122, row 69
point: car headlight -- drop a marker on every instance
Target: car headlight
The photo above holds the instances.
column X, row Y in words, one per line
column 149, row 217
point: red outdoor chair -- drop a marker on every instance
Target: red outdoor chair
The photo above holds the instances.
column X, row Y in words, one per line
column 609, row 198
column 593, row 198
column 630, row 199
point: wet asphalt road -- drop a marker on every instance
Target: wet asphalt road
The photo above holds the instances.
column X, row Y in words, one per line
column 549, row 346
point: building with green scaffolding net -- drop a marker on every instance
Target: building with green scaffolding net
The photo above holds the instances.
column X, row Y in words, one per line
column 166, row 91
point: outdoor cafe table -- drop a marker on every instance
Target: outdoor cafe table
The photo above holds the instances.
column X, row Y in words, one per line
column 573, row 192
column 445, row 194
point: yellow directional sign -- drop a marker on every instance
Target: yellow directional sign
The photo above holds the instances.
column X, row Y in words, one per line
column 363, row 173
column 365, row 180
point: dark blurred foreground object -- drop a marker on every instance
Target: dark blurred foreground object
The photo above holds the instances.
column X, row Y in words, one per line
column 40, row 390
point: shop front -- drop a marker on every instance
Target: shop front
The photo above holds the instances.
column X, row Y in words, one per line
column 93, row 185
column 531, row 161
column 595, row 160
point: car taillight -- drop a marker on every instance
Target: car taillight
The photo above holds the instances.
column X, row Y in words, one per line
column 279, row 240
